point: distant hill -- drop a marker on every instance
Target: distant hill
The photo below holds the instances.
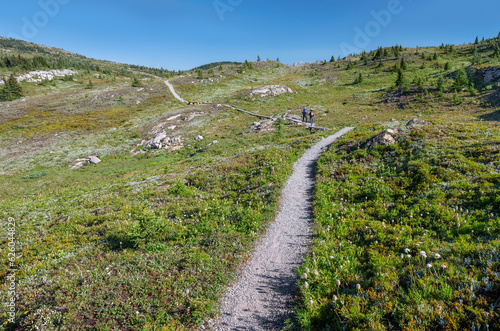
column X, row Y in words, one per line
column 29, row 56
column 213, row 65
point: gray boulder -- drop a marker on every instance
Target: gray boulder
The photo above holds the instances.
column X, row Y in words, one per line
column 416, row 121
column 94, row 160
column 156, row 142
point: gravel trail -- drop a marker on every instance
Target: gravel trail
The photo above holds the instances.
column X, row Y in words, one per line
column 177, row 96
column 262, row 298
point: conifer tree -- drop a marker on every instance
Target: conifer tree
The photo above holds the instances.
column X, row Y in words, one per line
column 447, row 66
column 90, row 85
column 136, row 82
column 440, row 84
column 435, row 56
column 359, row 79
column 476, row 41
column 400, row 81
column 403, row 64
column 332, row 59
column 460, row 79
column 15, row 87
column 350, row 65
column 496, row 50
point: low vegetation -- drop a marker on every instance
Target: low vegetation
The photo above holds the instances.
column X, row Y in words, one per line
column 406, row 235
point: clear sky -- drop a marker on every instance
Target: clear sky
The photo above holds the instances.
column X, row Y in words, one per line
column 182, row 34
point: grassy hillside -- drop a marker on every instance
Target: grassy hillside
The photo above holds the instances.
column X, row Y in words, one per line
column 150, row 240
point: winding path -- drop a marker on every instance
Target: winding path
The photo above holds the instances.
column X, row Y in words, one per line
column 262, row 298
column 177, row 96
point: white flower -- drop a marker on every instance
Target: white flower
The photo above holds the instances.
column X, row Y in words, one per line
column 358, row 287
column 429, row 265
column 402, row 256
column 331, row 257
column 337, row 282
column 443, row 266
column 408, row 256
column 407, row 250
column 304, row 276
column 311, row 301
column 315, row 272
column 307, row 270
column 437, row 256
column 423, row 253
column 306, row 285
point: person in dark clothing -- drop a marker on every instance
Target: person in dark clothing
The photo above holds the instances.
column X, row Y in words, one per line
column 304, row 115
column 311, row 116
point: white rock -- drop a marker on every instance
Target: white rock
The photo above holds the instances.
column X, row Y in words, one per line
column 199, row 137
column 271, row 90
column 94, row 160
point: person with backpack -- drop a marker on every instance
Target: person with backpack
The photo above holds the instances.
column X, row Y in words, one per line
column 311, row 116
column 304, row 115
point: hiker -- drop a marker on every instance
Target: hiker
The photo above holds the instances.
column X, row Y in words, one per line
column 311, row 116
column 304, row 115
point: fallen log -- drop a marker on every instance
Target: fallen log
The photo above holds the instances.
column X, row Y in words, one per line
column 249, row 113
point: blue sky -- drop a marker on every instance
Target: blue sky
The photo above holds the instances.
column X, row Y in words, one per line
column 182, row 34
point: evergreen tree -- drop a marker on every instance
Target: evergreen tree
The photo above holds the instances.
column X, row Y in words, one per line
column 278, row 59
column 15, row 87
column 496, row 49
column 396, row 51
column 359, row 79
column 350, row 65
column 136, row 82
column 475, row 56
column 447, row 66
column 90, row 85
column 440, row 84
column 476, row 41
column 221, row 67
column 400, row 81
column 460, row 79
column 258, row 58
column 332, row 59
column 386, row 52
column 435, row 56
column 403, row 64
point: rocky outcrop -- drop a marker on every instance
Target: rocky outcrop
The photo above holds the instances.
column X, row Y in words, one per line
column 263, row 126
column 416, row 121
column 162, row 141
column 386, row 137
column 271, row 90
column 157, row 141
column 78, row 163
column 489, row 74
column 40, row 75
